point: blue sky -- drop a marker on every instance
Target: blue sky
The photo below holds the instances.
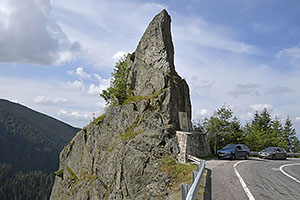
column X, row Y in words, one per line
column 56, row 56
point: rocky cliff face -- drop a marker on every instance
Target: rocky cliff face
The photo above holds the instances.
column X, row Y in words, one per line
column 118, row 155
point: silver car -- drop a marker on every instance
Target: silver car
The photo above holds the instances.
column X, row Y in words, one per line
column 273, row 153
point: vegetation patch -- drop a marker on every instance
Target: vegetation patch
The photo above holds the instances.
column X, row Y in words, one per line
column 99, row 119
column 111, row 148
column 77, row 183
column 177, row 171
column 119, row 92
column 59, row 173
column 136, row 99
column 129, row 133
column 119, row 87
column 180, row 173
column 73, row 175
column 263, row 131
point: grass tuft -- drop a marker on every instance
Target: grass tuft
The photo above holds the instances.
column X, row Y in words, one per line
column 73, row 175
column 179, row 172
column 59, row 173
column 99, row 119
column 136, row 99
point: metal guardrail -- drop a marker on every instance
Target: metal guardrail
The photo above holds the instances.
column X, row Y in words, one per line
column 189, row 192
column 255, row 153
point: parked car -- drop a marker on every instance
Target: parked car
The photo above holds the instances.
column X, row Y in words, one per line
column 273, row 153
column 234, row 151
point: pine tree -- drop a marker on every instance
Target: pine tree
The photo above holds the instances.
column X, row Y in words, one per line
column 288, row 134
column 118, row 91
column 276, row 137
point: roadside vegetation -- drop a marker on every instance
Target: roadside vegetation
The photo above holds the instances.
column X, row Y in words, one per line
column 179, row 173
column 262, row 131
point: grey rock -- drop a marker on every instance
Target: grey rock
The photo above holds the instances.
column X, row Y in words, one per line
column 119, row 157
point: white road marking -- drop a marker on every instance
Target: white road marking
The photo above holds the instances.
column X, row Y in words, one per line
column 281, row 169
column 246, row 189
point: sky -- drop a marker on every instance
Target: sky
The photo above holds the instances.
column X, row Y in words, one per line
column 57, row 56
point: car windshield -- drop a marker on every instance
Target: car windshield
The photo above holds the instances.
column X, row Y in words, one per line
column 270, row 149
column 229, row 146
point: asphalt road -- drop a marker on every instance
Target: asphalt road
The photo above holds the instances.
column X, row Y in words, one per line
column 263, row 179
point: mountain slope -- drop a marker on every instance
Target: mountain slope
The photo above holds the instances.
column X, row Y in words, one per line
column 30, row 140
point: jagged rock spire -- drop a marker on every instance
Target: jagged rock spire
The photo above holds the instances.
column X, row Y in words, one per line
column 118, row 155
column 153, row 68
column 156, row 47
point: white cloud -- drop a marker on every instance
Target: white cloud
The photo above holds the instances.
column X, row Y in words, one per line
column 201, row 87
column 200, row 32
column 75, row 85
column 119, row 55
column 80, row 72
column 97, row 89
column 246, row 117
column 49, row 101
column 73, row 115
column 278, row 90
column 109, row 33
column 261, row 107
column 28, row 34
column 64, row 57
column 203, row 112
column 100, row 104
column 292, row 55
column 244, row 89
column 93, row 89
column 297, row 118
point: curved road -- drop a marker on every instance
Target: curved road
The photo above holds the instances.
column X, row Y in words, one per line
column 263, row 179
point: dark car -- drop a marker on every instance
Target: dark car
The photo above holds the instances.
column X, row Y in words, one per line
column 273, row 153
column 234, row 151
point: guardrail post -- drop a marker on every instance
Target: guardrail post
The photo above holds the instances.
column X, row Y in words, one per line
column 184, row 190
column 195, row 173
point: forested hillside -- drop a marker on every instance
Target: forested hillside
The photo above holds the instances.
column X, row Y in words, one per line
column 30, row 143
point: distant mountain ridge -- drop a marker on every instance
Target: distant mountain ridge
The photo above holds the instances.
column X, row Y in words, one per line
column 30, row 143
column 30, row 140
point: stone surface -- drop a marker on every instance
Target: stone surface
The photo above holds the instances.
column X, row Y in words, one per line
column 119, row 157
column 192, row 143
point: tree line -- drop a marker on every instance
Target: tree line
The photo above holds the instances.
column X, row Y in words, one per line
column 262, row 131
column 18, row 185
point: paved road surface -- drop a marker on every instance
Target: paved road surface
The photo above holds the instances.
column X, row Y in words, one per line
column 263, row 178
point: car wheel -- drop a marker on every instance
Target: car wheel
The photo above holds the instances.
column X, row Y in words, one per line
column 284, row 158
column 246, row 156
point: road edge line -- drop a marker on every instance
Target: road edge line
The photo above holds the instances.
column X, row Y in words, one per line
column 281, row 169
column 246, row 189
